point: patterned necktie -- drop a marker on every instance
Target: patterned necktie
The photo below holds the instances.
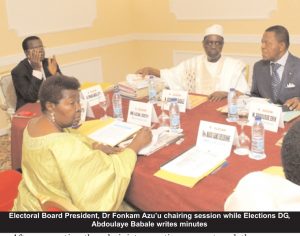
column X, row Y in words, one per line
column 275, row 81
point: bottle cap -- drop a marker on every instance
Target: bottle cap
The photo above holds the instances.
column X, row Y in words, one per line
column 258, row 118
column 116, row 88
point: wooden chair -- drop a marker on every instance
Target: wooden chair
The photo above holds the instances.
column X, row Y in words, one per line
column 9, row 180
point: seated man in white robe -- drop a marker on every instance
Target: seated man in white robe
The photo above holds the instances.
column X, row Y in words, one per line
column 261, row 191
column 211, row 74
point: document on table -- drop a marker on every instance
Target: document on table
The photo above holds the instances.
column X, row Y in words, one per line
column 213, row 146
column 290, row 115
column 194, row 163
column 160, row 139
column 114, row 133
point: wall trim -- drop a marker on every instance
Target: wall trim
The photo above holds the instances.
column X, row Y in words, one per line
column 239, row 9
column 77, row 47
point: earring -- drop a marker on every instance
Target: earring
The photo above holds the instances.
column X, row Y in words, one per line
column 52, row 117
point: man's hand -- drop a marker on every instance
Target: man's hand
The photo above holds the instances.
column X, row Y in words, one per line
column 293, row 103
column 217, row 96
column 148, row 71
column 52, row 65
column 106, row 148
column 34, row 56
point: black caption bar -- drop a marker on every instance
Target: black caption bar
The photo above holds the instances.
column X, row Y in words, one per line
column 144, row 222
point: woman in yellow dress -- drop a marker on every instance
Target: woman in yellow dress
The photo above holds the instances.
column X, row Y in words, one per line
column 60, row 164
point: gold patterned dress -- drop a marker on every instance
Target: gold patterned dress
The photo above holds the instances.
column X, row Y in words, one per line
column 63, row 165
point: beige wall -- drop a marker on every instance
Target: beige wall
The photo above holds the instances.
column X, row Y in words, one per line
column 114, row 19
column 129, row 21
column 161, row 20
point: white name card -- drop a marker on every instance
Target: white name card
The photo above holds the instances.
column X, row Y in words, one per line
column 181, row 96
column 94, row 95
column 141, row 113
column 270, row 114
column 215, row 138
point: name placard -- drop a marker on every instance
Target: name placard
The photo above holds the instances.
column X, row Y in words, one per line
column 216, row 138
column 93, row 95
column 270, row 114
column 141, row 113
column 181, row 96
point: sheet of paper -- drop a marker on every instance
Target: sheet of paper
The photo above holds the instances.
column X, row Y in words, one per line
column 290, row 115
column 214, row 143
column 194, row 163
column 114, row 133
column 160, row 138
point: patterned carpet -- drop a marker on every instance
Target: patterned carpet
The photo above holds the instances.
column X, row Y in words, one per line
column 5, row 160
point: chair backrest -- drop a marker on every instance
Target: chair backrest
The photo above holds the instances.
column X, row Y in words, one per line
column 54, row 204
column 9, row 180
column 8, row 92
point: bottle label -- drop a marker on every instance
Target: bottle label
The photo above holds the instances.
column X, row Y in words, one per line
column 152, row 94
column 175, row 121
column 118, row 112
column 257, row 145
column 232, row 109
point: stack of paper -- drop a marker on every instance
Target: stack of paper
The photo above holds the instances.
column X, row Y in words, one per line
column 137, row 90
column 136, row 87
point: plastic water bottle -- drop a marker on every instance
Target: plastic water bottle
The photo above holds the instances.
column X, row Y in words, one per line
column 152, row 90
column 174, row 115
column 232, row 106
column 117, row 104
column 258, row 140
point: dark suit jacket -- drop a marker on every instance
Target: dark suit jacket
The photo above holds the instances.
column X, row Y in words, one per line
column 289, row 85
column 26, row 85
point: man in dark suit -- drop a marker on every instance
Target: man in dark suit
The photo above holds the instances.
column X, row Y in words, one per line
column 29, row 74
column 277, row 75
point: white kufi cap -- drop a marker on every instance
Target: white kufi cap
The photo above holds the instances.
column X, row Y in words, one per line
column 215, row 30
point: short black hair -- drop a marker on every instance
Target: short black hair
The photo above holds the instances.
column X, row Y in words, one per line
column 51, row 89
column 281, row 34
column 290, row 154
column 26, row 40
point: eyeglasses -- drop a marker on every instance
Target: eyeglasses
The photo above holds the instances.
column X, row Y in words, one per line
column 211, row 43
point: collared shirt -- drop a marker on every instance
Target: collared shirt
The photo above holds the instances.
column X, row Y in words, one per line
column 39, row 74
column 282, row 62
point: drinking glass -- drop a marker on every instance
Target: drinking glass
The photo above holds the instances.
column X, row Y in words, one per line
column 164, row 119
column 243, row 145
column 104, row 105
